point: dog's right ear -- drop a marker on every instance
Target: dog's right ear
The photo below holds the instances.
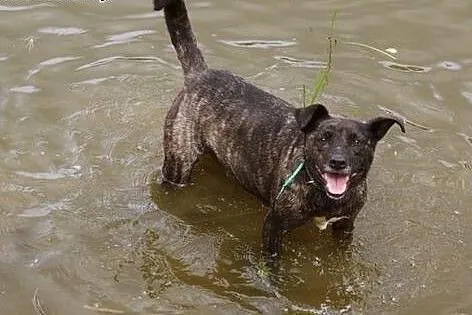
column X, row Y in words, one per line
column 309, row 117
column 380, row 125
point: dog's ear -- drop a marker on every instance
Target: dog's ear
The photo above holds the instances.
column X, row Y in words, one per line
column 309, row 117
column 380, row 125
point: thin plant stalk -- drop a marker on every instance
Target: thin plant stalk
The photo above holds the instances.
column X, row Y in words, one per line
column 321, row 81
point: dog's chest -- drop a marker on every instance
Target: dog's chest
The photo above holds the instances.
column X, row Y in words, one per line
column 307, row 201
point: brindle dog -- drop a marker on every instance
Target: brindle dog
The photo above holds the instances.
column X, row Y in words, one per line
column 262, row 140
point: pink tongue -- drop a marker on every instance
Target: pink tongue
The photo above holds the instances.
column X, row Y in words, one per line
column 336, row 183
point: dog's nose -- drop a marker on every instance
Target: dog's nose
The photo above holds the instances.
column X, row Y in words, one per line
column 337, row 163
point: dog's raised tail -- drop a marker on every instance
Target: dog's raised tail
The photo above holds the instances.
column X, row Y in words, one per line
column 181, row 35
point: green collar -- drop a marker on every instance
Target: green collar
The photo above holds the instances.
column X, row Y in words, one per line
column 291, row 177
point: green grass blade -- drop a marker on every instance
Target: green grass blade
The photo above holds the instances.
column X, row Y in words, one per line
column 321, row 81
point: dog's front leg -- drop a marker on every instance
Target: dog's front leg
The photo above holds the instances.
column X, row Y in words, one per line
column 272, row 234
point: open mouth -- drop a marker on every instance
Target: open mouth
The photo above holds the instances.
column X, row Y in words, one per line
column 336, row 184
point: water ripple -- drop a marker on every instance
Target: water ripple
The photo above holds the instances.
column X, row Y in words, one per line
column 301, row 63
column 468, row 93
column 124, row 38
column 62, row 31
column 259, row 43
column 449, row 65
column 23, row 8
column 10, row 187
column 27, row 89
column 468, row 96
column 42, row 211
column 59, row 174
column 96, row 81
column 146, row 15
column 466, row 137
column 197, row 251
column 404, row 67
column 49, row 62
column 114, row 58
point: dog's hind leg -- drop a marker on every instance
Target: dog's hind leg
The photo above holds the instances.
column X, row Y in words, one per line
column 181, row 151
column 180, row 154
column 176, row 169
column 179, row 157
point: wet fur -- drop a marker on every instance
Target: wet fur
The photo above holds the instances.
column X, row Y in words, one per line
column 259, row 139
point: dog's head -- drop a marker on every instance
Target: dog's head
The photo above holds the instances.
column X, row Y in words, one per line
column 339, row 151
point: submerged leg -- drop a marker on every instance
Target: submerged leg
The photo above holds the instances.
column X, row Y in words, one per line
column 181, row 151
column 343, row 230
column 176, row 169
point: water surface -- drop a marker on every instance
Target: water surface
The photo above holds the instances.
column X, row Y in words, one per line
column 85, row 228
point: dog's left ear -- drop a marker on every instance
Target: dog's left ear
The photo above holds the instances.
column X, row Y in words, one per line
column 380, row 125
column 309, row 117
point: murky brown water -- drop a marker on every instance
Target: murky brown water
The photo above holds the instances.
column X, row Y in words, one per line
column 84, row 87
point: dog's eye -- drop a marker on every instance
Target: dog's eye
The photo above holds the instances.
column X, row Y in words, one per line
column 325, row 137
column 357, row 141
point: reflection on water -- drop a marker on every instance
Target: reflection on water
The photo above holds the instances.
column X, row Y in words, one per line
column 62, row 30
column 338, row 276
column 258, row 43
column 403, row 67
column 301, row 63
column 86, row 228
